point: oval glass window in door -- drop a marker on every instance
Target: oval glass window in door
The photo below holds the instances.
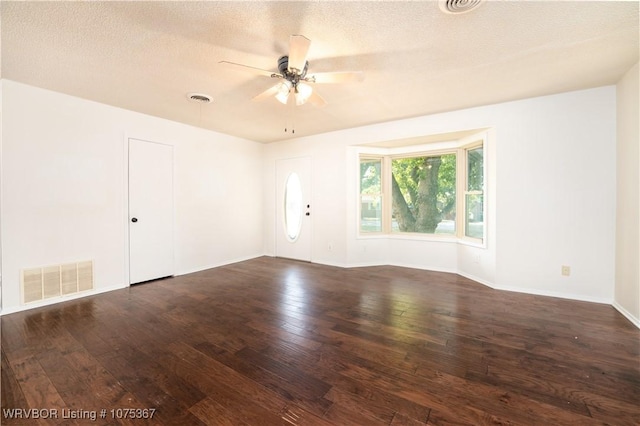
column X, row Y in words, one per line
column 293, row 206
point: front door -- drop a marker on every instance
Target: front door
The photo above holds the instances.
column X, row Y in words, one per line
column 150, row 211
column 293, row 208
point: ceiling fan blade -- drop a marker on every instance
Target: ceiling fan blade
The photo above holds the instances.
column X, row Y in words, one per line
column 250, row 69
column 298, row 48
column 316, row 100
column 267, row 93
column 336, row 77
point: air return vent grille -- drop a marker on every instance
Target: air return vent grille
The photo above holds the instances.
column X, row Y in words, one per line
column 56, row 281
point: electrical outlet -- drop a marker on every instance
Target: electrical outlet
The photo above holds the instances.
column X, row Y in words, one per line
column 566, row 270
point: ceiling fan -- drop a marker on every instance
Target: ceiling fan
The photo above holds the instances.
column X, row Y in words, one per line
column 294, row 77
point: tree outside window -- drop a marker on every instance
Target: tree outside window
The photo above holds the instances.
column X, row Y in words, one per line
column 427, row 193
column 370, row 195
column 423, row 193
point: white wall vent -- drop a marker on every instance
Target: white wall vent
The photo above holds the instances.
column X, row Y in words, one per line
column 56, row 281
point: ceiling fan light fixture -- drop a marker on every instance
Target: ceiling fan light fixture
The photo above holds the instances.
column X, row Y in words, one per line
column 292, row 73
column 302, row 93
column 282, row 95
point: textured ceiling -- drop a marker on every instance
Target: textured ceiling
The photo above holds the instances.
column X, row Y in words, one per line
column 146, row 56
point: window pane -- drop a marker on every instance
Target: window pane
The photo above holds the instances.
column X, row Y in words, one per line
column 474, row 214
column 474, row 199
column 370, row 195
column 475, row 169
column 371, row 213
column 293, row 206
column 424, row 194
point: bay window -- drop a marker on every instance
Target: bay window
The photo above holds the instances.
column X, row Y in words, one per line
column 437, row 193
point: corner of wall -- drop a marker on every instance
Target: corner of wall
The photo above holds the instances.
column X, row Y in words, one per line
column 635, row 321
column 627, row 249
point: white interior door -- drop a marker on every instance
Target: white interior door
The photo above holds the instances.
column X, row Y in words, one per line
column 293, row 208
column 150, row 211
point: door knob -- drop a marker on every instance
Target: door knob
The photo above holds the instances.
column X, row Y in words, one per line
column 134, row 219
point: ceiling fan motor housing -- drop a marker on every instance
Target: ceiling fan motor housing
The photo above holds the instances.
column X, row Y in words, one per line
column 283, row 68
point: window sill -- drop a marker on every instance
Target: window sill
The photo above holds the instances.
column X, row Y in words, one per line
column 426, row 238
column 472, row 243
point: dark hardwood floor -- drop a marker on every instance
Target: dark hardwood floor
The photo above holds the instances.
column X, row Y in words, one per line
column 272, row 341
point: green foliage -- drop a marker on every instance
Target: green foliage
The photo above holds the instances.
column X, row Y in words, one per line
column 447, row 185
column 475, row 171
column 370, row 176
column 427, row 186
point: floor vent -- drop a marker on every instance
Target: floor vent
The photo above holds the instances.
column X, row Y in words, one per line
column 56, row 281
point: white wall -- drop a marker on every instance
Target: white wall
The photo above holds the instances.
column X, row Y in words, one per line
column 627, row 289
column 0, row 196
column 64, row 194
column 556, row 194
column 551, row 199
column 551, row 195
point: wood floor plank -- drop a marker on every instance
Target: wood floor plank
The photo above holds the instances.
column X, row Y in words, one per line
column 307, row 395
column 167, row 409
column 40, row 392
column 12, row 396
column 210, row 412
column 329, row 367
column 273, row 341
column 402, row 420
column 348, row 416
column 207, row 373
column 358, row 404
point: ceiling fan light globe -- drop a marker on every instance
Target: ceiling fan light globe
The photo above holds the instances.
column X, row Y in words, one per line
column 282, row 98
column 282, row 95
column 303, row 91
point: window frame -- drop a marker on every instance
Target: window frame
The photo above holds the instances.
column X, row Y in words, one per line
column 371, row 158
column 460, row 148
column 467, row 148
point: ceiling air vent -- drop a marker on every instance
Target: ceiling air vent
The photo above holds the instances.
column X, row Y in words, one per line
column 199, row 98
column 459, row 6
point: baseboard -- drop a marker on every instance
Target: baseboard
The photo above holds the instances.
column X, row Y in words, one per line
column 559, row 295
column 363, row 264
column 56, row 300
column 635, row 321
column 330, row 263
column 476, row 279
column 218, row 264
column 491, row 285
column 423, row 267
